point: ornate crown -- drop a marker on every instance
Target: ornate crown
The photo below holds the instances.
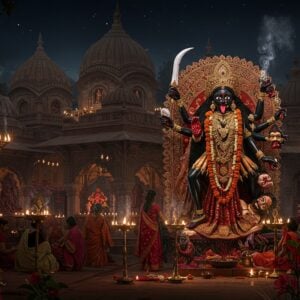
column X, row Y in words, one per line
column 207, row 74
column 221, row 76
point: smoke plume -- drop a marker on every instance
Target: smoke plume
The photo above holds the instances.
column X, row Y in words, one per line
column 276, row 34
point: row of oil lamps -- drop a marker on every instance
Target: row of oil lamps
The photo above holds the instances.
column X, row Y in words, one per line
column 278, row 221
column 45, row 212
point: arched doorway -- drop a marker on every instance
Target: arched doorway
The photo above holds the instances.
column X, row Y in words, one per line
column 47, row 183
column 91, row 178
column 10, row 192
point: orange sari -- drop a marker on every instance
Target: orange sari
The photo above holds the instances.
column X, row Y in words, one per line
column 98, row 240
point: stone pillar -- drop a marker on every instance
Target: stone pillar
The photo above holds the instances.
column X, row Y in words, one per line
column 73, row 205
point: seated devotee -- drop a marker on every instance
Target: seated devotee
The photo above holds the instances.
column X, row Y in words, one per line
column 267, row 259
column 7, row 254
column 98, row 238
column 70, row 249
column 97, row 197
column 26, row 252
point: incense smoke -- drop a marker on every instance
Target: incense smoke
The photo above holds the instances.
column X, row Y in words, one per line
column 276, row 34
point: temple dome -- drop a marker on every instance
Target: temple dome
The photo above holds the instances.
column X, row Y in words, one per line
column 121, row 97
column 39, row 72
column 291, row 91
column 116, row 51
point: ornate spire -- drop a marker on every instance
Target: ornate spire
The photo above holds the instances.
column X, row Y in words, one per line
column 208, row 49
column 40, row 43
column 117, row 17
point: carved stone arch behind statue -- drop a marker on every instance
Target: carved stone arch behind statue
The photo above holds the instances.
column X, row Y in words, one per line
column 194, row 83
column 151, row 178
column 88, row 179
column 11, row 192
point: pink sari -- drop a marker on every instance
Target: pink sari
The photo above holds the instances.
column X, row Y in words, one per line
column 72, row 260
column 149, row 241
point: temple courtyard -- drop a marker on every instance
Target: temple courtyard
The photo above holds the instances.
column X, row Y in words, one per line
column 100, row 284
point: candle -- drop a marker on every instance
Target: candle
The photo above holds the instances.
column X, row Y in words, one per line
column 251, row 273
column 280, row 220
column 183, row 223
column 268, row 221
column 137, row 277
column 1, row 215
column 124, row 220
column 267, row 274
column 288, row 220
column 264, row 222
column 166, row 222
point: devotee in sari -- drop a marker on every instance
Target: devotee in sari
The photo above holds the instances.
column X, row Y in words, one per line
column 26, row 253
column 70, row 250
column 7, row 254
column 97, row 237
column 267, row 259
column 149, row 247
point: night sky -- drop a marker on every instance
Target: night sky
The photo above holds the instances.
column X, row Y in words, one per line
column 162, row 27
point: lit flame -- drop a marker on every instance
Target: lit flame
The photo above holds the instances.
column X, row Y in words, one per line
column 124, row 220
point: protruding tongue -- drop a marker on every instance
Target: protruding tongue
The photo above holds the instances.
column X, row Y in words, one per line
column 222, row 108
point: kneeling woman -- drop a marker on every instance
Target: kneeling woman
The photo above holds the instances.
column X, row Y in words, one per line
column 26, row 253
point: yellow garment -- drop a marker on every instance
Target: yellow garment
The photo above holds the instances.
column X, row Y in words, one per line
column 25, row 257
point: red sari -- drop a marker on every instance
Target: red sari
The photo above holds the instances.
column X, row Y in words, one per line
column 149, row 247
column 267, row 259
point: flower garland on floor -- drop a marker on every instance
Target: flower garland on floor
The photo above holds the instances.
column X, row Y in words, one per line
column 224, row 195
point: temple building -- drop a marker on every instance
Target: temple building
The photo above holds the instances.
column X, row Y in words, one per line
column 111, row 141
column 290, row 164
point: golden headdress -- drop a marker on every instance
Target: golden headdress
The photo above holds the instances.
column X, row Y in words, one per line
column 211, row 72
column 221, row 76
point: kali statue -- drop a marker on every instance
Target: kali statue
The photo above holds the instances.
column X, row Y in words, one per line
column 227, row 166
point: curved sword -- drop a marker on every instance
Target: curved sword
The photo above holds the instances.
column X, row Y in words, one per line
column 177, row 60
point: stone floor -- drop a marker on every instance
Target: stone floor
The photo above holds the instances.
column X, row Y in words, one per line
column 99, row 284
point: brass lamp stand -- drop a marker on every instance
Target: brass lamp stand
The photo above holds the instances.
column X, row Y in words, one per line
column 176, row 278
column 275, row 226
column 125, row 279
